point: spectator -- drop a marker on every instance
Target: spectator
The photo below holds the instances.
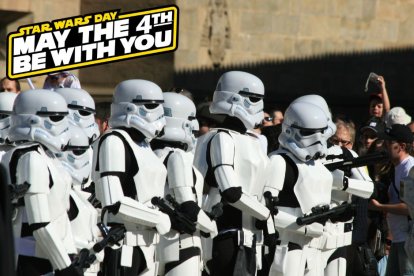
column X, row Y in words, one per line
column 207, row 120
column 61, row 80
column 411, row 126
column 7, row 85
column 369, row 134
column 277, row 116
column 399, row 139
column 344, row 135
column 379, row 103
column 267, row 120
column 272, row 134
column 397, row 115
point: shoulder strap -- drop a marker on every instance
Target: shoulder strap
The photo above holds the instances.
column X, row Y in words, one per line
column 287, row 196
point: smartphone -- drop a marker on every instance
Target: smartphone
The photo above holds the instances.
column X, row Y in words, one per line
column 373, row 85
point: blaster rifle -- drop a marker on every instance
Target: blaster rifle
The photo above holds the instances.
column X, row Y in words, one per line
column 322, row 214
column 348, row 163
column 111, row 237
column 179, row 221
column 18, row 190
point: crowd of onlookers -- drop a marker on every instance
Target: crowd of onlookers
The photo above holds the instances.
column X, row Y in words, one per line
column 381, row 222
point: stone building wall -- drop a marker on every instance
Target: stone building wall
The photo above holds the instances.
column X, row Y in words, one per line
column 258, row 30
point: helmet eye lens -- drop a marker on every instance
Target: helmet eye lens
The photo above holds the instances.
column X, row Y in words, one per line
column 84, row 113
column 308, row 132
column 151, row 106
column 78, row 152
column 254, row 99
column 4, row 116
column 56, row 118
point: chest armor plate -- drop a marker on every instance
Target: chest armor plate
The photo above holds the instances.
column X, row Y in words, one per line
column 150, row 179
column 250, row 164
column 314, row 184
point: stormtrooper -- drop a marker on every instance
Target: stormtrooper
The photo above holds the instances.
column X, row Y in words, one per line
column 339, row 234
column 6, row 109
column 81, row 110
column 234, row 168
column 82, row 214
column 407, row 195
column 180, row 253
column 82, row 114
column 129, row 175
column 44, row 240
column 305, row 185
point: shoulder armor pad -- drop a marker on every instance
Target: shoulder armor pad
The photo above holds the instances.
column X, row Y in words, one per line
column 111, row 155
column 31, row 168
column 222, row 149
column 180, row 172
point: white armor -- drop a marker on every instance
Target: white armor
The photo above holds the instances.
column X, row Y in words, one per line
column 339, row 234
column 184, row 183
column 407, row 195
column 81, row 110
column 83, row 216
column 132, row 184
column 39, row 116
column 6, row 109
column 303, row 143
column 234, row 162
column 240, row 163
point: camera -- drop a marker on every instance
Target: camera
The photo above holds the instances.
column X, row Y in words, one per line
column 373, row 85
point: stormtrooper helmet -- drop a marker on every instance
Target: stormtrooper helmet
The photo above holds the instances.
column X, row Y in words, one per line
column 239, row 94
column 81, row 110
column 138, row 104
column 303, row 131
column 41, row 116
column 180, row 115
column 76, row 158
column 319, row 101
column 6, row 109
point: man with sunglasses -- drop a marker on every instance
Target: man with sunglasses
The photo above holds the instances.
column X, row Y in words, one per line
column 398, row 139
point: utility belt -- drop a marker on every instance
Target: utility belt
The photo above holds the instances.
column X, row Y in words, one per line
column 337, row 235
column 244, row 237
column 186, row 241
column 141, row 238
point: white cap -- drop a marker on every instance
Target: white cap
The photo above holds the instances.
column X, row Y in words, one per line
column 397, row 115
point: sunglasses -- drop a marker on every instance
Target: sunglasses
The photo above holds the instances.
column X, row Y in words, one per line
column 336, row 141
